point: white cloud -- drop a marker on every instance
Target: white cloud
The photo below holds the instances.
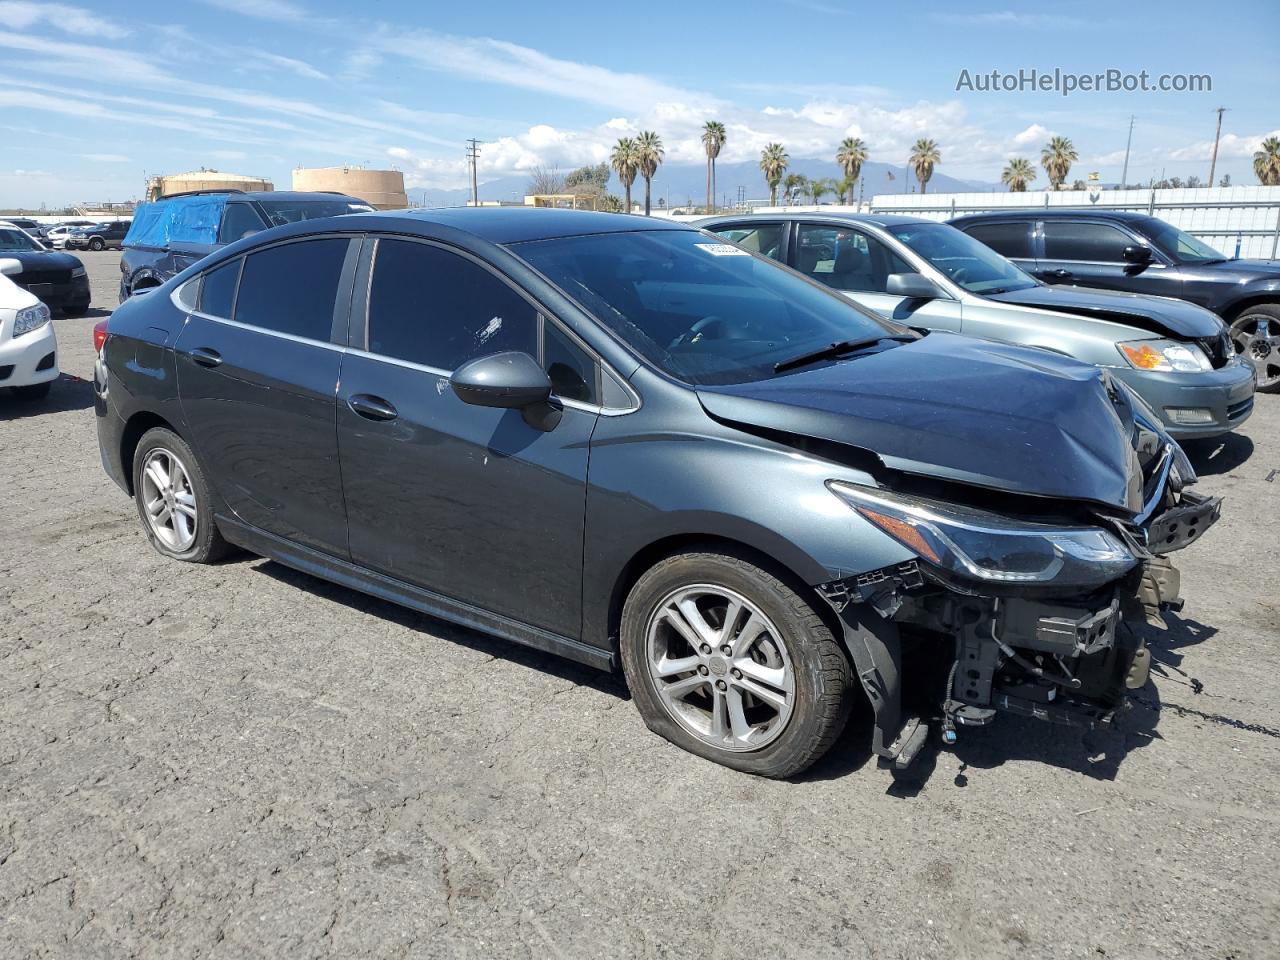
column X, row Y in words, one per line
column 1033, row 136
column 300, row 67
column 125, row 67
column 20, row 14
column 1230, row 145
column 281, row 10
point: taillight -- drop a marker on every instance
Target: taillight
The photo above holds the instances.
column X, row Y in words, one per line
column 99, row 335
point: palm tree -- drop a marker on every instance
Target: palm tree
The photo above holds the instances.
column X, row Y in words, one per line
column 847, row 190
column 1056, row 158
column 795, row 185
column 649, row 154
column 851, row 156
column 1018, row 172
column 1266, row 162
column 820, row 187
column 924, row 155
column 623, row 161
column 713, row 138
column 773, row 163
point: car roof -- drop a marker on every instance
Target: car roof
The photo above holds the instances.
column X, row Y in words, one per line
column 875, row 219
column 511, row 224
column 1057, row 213
column 292, row 195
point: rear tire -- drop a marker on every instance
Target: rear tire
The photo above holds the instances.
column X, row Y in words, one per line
column 174, row 501
column 35, row 391
column 784, row 684
column 96, row 244
column 1263, row 351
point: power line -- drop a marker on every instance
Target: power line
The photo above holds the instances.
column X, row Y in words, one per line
column 473, row 155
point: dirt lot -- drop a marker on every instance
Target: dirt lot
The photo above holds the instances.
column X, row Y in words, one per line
column 241, row 761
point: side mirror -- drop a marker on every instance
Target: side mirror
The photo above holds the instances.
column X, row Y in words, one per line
column 1137, row 253
column 913, row 286
column 10, row 267
column 512, row 380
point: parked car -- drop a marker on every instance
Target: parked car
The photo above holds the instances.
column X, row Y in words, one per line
column 37, row 230
column 1175, row 355
column 1141, row 254
column 56, row 236
column 28, row 345
column 628, row 443
column 108, row 235
column 58, row 279
column 171, row 234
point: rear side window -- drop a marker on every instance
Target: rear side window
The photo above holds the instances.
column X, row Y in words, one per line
column 436, row 308
column 292, row 288
column 218, row 290
column 1084, row 241
column 763, row 238
column 239, row 220
column 1012, row 240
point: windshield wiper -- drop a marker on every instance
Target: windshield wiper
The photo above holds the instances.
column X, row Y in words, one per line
column 835, row 350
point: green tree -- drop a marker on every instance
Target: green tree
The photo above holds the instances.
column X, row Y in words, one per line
column 591, row 176
column 796, row 184
column 773, row 164
column 1266, row 162
column 1056, row 158
column 819, row 187
column 847, row 190
column 624, row 162
column 649, row 154
column 924, row 156
column 713, row 139
column 1018, row 172
column 851, row 156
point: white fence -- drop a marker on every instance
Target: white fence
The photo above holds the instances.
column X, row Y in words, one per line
column 1237, row 221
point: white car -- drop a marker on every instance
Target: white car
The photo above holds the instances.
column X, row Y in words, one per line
column 57, row 236
column 28, row 347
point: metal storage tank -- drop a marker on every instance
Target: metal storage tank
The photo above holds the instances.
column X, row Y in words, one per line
column 163, row 186
column 383, row 189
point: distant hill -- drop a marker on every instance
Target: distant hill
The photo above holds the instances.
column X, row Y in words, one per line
column 684, row 184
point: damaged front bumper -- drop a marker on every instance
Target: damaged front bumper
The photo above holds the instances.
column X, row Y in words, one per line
column 933, row 649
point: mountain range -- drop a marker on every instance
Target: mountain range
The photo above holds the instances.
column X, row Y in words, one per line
column 681, row 185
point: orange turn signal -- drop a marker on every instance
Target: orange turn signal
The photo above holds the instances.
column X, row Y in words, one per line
column 905, row 533
column 1142, row 356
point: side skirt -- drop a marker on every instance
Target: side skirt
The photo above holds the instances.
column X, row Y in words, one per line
column 415, row 598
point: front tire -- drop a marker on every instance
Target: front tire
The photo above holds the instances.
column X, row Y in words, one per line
column 96, row 244
column 727, row 661
column 174, row 500
column 1255, row 335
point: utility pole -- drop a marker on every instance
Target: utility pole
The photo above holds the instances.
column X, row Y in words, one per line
column 1213, row 164
column 473, row 155
column 1124, row 177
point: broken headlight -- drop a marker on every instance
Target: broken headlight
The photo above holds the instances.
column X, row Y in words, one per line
column 986, row 546
column 1165, row 356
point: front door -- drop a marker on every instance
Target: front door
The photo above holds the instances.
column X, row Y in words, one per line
column 470, row 502
column 257, row 374
column 1091, row 254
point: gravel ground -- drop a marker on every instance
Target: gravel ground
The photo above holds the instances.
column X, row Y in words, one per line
column 242, row 761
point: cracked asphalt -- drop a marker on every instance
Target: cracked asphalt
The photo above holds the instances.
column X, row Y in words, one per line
column 242, row 761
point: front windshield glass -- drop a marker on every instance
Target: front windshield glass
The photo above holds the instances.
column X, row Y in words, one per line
column 1183, row 247
column 966, row 262
column 15, row 241
column 280, row 212
column 700, row 309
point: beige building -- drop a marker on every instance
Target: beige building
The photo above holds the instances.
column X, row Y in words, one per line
column 383, row 189
column 164, row 186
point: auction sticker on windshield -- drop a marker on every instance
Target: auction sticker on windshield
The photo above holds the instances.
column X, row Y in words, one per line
column 722, row 249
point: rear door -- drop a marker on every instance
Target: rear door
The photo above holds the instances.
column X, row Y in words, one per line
column 258, row 370
column 1012, row 239
column 469, row 502
column 1090, row 253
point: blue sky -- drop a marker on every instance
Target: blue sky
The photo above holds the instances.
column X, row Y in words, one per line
column 93, row 96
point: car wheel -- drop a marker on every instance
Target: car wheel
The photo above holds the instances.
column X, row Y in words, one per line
column 727, row 661
column 35, row 391
column 1256, row 336
column 96, row 244
column 174, row 500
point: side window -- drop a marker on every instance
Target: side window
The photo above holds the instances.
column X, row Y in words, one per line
column 571, row 369
column 765, row 238
column 1011, row 240
column 238, row 221
column 439, row 309
column 847, row 259
column 1065, row 240
column 218, row 289
column 292, row 288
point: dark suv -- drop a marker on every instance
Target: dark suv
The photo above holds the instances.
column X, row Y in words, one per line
column 1141, row 254
column 172, row 233
column 99, row 236
column 632, row 444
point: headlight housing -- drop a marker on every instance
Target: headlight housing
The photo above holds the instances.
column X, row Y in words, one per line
column 30, row 318
column 77, row 272
column 1164, row 356
column 979, row 545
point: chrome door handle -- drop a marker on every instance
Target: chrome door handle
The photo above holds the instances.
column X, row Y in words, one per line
column 206, row 356
column 371, row 408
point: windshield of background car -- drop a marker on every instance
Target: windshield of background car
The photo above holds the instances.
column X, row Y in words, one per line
column 966, row 262
column 1183, row 247
column 12, row 240
column 280, row 212
column 702, row 310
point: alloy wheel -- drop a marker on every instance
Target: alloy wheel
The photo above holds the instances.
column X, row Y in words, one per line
column 1256, row 337
column 720, row 667
column 169, row 500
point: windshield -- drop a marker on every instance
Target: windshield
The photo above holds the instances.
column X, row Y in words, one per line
column 700, row 309
column 280, row 212
column 967, row 262
column 1183, row 247
column 12, row 240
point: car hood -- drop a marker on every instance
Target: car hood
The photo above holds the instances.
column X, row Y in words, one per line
column 42, row 260
column 1161, row 315
column 953, row 408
